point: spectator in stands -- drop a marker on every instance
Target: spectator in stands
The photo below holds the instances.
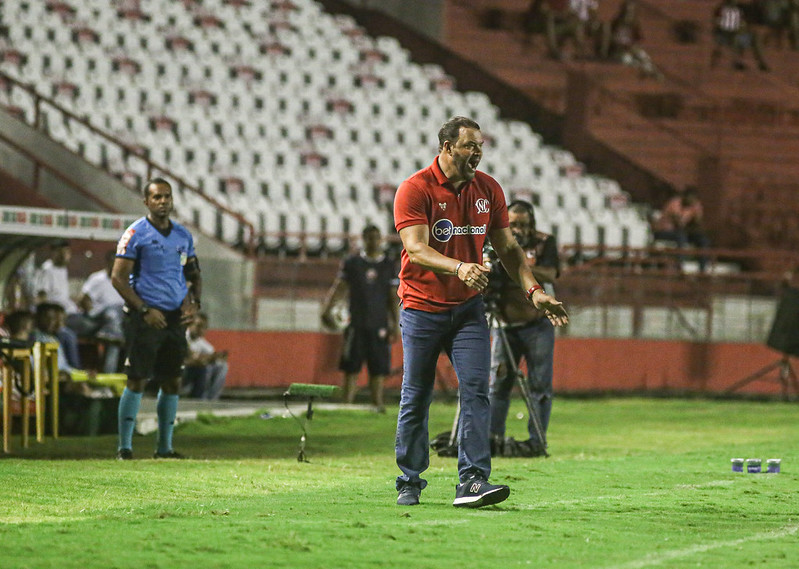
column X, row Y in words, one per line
column 51, row 285
column 572, row 21
column 681, row 221
column 205, row 368
column 100, row 313
column 559, row 24
column 528, row 331
column 18, row 325
column 368, row 280
column 48, row 322
column 732, row 31
column 625, row 41
column 534, row 21
column 80, row 402
column 773, row 16
column 792, row 19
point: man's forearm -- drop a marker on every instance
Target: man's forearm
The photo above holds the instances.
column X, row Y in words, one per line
column 128, row 295
column 430, row 259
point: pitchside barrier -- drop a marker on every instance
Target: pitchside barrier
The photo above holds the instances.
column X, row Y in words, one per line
column 17, row 356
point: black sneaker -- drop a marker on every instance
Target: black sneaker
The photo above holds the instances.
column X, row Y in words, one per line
column 171, row 454
column 476, row 492
column 124, row 454
column 409, row 495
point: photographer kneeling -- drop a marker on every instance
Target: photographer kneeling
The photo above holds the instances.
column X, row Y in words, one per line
column 528, row 333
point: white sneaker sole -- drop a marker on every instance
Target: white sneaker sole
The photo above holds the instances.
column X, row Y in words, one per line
column 489, row 498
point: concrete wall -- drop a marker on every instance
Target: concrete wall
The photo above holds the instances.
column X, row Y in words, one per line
column 277, row 359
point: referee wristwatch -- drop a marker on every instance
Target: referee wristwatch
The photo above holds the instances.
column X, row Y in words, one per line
column 144, row 309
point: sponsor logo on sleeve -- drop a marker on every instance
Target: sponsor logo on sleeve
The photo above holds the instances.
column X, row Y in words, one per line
column 122, row 246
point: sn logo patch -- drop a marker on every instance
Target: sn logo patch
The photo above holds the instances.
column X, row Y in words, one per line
column 122, row 246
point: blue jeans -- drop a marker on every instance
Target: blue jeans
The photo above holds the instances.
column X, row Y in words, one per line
column 462, row 333
column 536, row 342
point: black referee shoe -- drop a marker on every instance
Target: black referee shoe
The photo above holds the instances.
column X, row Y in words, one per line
column 124, row 454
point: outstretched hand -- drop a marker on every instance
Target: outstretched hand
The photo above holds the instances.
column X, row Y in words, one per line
column 473, row 275
column 552, row 307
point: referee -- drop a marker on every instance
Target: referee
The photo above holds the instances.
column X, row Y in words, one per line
column 157, row 274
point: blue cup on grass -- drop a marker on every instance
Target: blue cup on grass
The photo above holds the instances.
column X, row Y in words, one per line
column 753, row 465
column 773, row 465
column 737, row 464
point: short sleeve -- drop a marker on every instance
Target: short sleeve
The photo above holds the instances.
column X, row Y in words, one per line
column 499, row 209
column 410, row 206
column 128, row 244
column 191, row 252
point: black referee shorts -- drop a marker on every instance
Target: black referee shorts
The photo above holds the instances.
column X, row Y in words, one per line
column 366, row 344
column 151, row 353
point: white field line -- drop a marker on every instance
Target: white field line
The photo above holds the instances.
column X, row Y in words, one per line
column 664, row 556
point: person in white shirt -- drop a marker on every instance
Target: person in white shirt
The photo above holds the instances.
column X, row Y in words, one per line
column 205, row 368
column 101, row 314
column 51, row 285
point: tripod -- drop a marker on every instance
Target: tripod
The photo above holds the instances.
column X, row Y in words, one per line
column 787, row 377
column 529, row 401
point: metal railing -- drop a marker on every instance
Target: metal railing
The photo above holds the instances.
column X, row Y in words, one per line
column 129, row 152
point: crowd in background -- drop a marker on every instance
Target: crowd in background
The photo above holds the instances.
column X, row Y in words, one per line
column 574, row 29
column 89, row 331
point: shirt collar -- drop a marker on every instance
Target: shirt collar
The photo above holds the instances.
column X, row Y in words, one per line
column 442, row 179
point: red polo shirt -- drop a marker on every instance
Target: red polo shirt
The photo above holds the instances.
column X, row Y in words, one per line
column 458, row 222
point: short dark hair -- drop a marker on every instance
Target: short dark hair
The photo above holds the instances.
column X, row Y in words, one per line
column 15, row 321
column 370, row 228
column 522, row 206
column 58, row 243
column 451, row 130
column 44, row 307
column 157, row 181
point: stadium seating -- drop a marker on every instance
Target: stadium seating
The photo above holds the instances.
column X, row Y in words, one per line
column 299, row 109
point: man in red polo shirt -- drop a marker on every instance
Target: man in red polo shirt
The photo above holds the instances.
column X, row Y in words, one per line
column 444, row 214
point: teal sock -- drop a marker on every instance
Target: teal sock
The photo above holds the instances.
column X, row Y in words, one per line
column 167, row 409
column 128, row 409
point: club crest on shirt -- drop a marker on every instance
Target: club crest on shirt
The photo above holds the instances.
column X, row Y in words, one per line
column 443, row 206
column 482, row 205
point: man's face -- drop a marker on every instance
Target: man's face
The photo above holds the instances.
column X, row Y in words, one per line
column 50, row 321
column 159, row 200
column 372, row 241
column 61, row 256
column 466, row 152
column 521, row 226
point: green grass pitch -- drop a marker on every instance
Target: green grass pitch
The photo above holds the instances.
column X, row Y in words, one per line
column 631, row 483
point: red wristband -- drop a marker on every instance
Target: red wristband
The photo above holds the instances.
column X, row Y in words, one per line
column 531, row 291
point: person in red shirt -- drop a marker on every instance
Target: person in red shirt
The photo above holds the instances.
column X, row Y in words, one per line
column 443, row 214
column 681, row 221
